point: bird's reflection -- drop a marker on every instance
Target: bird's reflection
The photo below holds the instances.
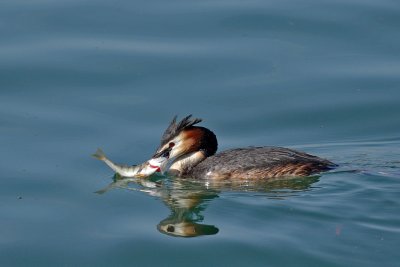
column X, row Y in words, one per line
column 186, row 208
column 187, row 199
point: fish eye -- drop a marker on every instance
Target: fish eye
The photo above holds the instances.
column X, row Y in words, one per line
column 171, row 144
column 170, row 228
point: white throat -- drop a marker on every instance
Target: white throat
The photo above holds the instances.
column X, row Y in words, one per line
column 185, row 163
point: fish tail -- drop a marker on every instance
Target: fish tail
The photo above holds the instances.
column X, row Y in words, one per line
column 99, row 154
column 123, row 170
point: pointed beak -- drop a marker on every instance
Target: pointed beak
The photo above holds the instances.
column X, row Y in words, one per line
column 164, row 156
column 163, row 153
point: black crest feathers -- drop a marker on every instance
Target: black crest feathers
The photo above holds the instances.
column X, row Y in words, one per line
column 175, row 128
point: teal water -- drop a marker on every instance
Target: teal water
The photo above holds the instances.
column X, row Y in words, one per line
column 319, row 76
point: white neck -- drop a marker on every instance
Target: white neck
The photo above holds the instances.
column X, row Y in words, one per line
column 186, row 163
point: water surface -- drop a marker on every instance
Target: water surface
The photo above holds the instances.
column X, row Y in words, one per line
column 319, row 76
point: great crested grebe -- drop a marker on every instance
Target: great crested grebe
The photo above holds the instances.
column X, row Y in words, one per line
column 191, row 153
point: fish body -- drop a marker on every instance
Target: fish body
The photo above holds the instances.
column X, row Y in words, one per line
column 143, row 170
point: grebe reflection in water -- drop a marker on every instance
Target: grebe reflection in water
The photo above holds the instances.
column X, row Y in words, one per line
column 187, row 199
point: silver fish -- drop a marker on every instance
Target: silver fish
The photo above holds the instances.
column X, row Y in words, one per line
column 143, row 170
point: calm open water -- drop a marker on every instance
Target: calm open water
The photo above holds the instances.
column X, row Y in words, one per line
column 319, row 76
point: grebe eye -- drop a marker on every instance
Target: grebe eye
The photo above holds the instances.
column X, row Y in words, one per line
column 172, row 144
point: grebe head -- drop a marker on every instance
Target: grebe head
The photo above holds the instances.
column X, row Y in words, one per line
column 186, row 144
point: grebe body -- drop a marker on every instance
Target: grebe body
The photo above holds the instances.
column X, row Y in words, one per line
column 191, row 152
column 258, row 162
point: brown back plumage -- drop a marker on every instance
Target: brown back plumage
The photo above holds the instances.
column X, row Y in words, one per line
column 259, row 162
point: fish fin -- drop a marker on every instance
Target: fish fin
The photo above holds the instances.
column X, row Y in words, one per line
column 99, row 154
